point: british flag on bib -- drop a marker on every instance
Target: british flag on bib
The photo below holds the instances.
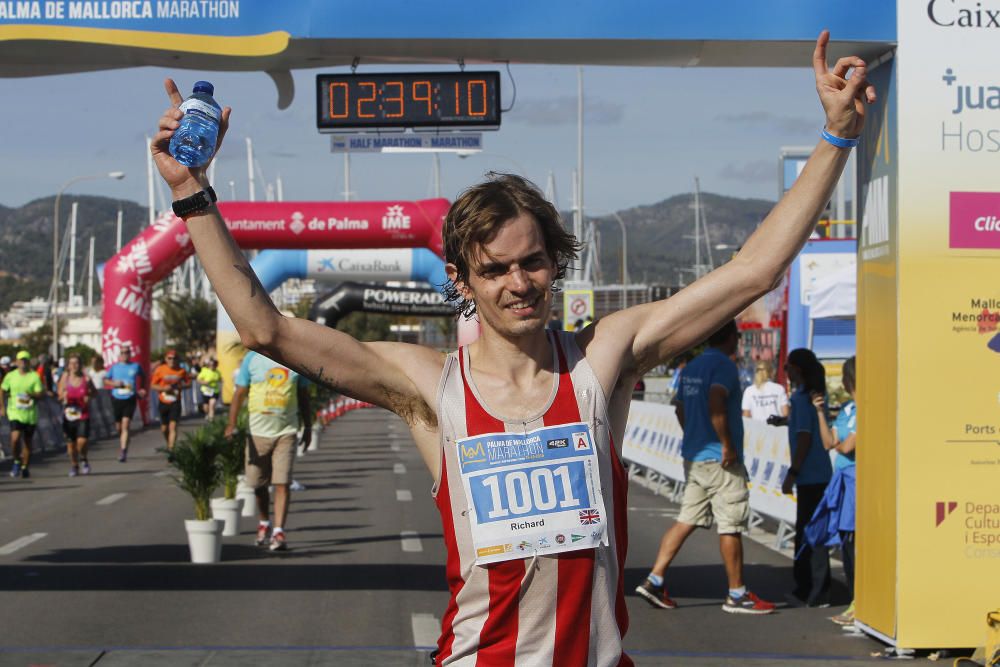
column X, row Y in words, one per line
column 588, row 517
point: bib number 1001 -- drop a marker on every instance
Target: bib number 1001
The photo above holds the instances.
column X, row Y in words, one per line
column 532, row 491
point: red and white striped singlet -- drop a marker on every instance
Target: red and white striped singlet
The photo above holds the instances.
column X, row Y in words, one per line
column 563, row 610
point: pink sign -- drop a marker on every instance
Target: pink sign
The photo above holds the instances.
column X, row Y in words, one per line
column 975, row 220
column 342, row 225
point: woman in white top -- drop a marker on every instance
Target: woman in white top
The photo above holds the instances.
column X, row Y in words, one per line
column 764, row 398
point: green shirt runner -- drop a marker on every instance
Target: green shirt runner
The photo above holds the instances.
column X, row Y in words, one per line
column 19, row 388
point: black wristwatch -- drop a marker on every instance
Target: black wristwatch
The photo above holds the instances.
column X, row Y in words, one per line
column 196, row 203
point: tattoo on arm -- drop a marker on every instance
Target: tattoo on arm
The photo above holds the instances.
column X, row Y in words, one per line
column 254, row 280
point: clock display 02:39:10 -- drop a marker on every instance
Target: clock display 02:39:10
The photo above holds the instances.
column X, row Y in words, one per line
column 430, row 100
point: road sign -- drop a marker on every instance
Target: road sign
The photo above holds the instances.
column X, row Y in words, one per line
column 578, row 305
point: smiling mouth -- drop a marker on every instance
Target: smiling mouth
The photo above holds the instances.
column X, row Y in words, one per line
column 524, row 303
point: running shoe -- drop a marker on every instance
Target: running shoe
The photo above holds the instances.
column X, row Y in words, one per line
column 24, row 473
column 278, row 542
column 655, row 595
column 263, row 535
column 748, row 603
column 85, row 468
column 122, row 456
column 16, row 470
column 847, row 618
column 74, row 471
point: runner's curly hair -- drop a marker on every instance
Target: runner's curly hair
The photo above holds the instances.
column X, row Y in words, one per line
column 476, row 217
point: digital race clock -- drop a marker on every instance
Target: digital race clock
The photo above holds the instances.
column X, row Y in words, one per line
column 417, row 100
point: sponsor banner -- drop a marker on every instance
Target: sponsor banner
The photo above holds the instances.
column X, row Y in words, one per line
column 408, row 141
column 948, row 266
column 349, row 297
column 393, row 224
column 653, row 439
column 378, row 265
column 974, row 218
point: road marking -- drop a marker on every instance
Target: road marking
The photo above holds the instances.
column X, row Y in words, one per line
column 410, row 541
column 394, row 447
column 404, row 495
column 399, row 469
column 113, row 498
column 426, row 628
column 20, row 543
column 162, row 473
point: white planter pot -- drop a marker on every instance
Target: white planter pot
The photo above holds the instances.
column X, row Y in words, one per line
column 229, row 512
column 246, row 494
column 205, row 540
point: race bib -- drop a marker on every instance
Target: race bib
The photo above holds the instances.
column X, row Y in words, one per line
column 207, row 390
column 72, row 413
column 167, row 398
column 23, row 402
column 533, row 493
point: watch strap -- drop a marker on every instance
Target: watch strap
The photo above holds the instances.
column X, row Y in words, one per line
column 197, row 202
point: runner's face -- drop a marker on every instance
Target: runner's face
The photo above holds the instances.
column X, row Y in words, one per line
column 73, row 364
column 126, row 354
column 510, row 279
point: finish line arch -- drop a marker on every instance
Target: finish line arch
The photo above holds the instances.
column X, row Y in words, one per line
column 151, row 256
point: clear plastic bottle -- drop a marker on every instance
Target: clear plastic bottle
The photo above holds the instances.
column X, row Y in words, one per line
column 194, row 141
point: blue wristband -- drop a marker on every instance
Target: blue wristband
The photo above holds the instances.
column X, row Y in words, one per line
column 839, row 142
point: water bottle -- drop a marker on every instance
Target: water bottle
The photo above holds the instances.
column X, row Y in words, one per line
column 194, row 141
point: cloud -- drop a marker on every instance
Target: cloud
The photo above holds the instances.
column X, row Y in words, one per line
column 771, row 121
column 562, row 111
column 758, row 171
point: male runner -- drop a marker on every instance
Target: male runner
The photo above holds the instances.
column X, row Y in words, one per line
column 126, row 380
column 19, row 392
column 527, row 421
column 168, row 380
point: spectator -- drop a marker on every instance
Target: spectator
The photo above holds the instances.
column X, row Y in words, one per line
column 21, row 389
column 809, row 474
column 96, row 372
column 5, row 366
column 75, row 392
column 709, row 412
column 833, row 522
column 555, row 324
column 764, row 398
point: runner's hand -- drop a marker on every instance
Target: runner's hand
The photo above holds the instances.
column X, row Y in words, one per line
column 788, row 485
column 182, row 180
column 228, row 433
column 818, row 401
column 843, row 98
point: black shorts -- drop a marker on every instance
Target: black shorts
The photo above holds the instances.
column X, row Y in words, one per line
column 76, row 429
column 170, row 412
column 27, row 429
column 123, row 408
column 205, row 398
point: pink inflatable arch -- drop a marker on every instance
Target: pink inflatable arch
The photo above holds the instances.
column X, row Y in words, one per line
column 130, row 275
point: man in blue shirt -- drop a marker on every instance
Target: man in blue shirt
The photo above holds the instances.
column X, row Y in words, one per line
column 126, row 381
column 709, row 410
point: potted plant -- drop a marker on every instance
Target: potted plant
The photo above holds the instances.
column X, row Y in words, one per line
column 194, row 459
column 231, row 452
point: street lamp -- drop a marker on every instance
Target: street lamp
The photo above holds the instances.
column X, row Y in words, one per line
column 56, row 268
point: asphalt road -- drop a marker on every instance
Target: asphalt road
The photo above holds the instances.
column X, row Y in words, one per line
column 94, row 571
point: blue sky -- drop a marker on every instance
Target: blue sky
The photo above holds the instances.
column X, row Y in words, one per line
column 649, row 132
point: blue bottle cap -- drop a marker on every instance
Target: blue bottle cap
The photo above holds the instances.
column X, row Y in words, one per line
column 204, row 87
